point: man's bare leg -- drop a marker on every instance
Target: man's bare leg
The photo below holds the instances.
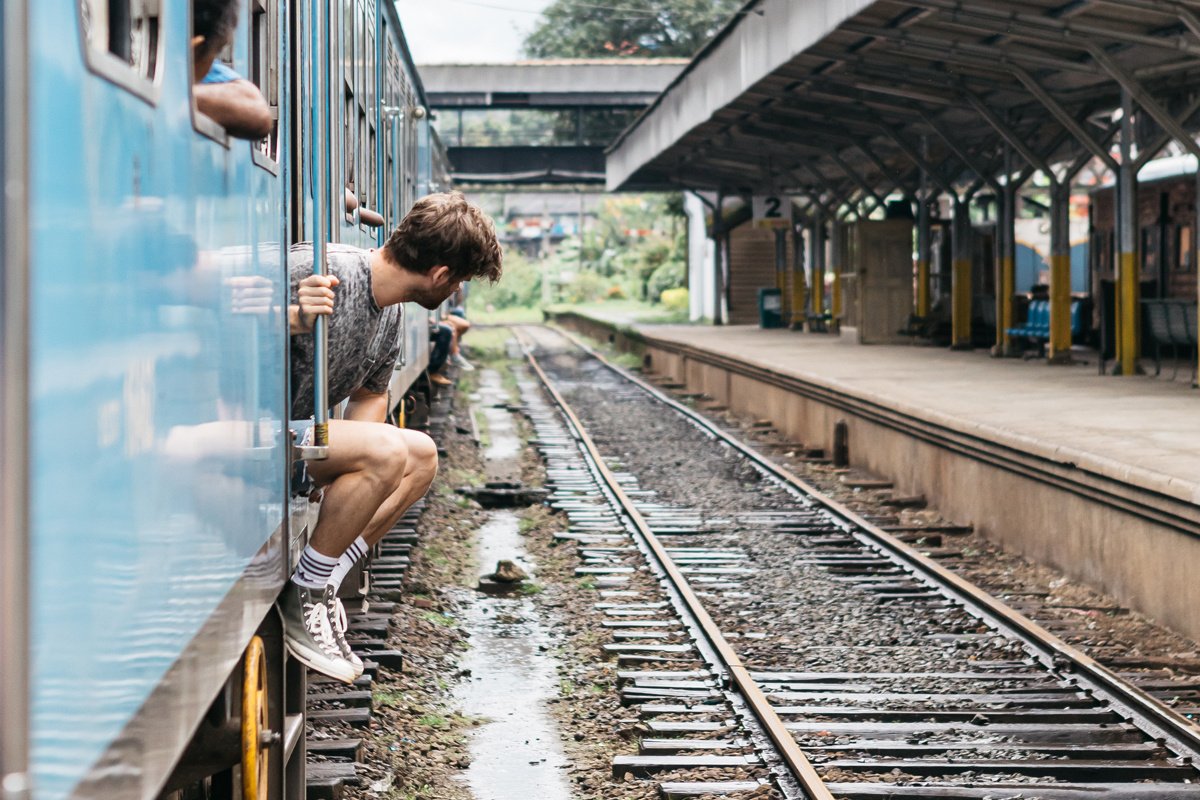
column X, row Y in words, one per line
column 367, row 461
column 420, row 470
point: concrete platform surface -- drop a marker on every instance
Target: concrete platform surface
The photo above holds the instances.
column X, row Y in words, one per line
column 1135, row 430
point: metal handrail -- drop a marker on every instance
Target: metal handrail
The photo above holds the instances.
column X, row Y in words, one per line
column 321, row 227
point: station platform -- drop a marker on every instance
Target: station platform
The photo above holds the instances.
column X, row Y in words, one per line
column 1096, row 475
column 1144, row 432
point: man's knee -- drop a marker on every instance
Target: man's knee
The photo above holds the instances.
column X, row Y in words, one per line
column 388, row 455
column 422, row 453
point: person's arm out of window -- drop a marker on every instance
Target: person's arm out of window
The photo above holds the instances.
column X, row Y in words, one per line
column 234, row 103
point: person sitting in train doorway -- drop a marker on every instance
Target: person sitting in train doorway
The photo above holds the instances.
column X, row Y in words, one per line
column 222, row 94
column 375, row 471
column 457, row 320
column 441, row 338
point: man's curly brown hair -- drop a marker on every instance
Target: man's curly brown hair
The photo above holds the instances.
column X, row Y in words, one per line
column 445, row 229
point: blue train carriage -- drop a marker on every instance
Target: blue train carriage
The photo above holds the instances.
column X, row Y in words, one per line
column 146, row 456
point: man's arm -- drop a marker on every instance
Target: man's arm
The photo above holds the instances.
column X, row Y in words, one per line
column 237, row 106
column 366, row 406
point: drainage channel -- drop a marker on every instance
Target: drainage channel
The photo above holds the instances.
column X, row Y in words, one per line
column 948, row 694
column 516, row 752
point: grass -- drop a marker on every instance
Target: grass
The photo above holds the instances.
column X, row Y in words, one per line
column 627, row 311
column 506, row 316
column 530, row 589
column 443, row 620
column 433, row 721
column 390, row 698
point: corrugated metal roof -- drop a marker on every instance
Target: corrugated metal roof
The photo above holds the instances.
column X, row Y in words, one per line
column 835, row 97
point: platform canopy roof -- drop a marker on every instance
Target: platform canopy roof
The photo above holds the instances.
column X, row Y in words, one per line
column 850, row 99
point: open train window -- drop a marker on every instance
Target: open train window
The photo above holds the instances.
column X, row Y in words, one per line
column 264, row 72
column 122, row 43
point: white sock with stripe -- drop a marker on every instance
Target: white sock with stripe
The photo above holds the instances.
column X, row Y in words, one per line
column 354, row 553
column 314, row 569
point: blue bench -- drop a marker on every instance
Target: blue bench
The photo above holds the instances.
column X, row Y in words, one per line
column 1037, row 322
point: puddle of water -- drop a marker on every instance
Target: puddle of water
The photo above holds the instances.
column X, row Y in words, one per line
column 517, row 754
column 502, row 454
column 500, row 538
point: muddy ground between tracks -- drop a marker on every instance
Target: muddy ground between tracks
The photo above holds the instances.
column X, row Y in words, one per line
column 417, row 745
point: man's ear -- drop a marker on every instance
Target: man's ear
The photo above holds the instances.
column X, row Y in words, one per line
column 440, row 274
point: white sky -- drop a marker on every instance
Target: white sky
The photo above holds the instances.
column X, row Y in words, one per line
column 467, row 31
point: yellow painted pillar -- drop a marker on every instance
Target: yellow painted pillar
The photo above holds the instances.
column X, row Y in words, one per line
column 799, row 287
column 923, row 243
column 1060, row 273
column 1127, row 244
column 960, row 278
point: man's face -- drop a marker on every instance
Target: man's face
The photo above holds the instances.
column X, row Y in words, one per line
column 435, row 289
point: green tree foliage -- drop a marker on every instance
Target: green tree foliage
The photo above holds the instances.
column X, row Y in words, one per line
column 521, row 286
column 615, row 28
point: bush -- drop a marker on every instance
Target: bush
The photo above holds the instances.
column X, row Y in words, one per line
column 675, row 299
column 519, row 287
column 670, row 275
column 615, row 293
column 587, row 287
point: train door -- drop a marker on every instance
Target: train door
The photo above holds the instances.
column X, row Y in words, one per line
column 14, row 554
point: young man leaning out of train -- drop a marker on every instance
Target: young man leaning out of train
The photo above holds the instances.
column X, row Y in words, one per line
column 375, row 471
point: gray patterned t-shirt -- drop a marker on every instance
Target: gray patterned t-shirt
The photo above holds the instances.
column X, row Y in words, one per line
column 364, row 339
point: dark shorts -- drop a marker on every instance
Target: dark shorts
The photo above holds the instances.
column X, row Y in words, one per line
column 302, row 436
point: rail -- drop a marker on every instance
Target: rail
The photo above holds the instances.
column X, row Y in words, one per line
column 1178, row 732
column 730, row 663
column 1168, row 728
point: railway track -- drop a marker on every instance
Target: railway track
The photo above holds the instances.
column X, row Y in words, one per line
column 794, row 642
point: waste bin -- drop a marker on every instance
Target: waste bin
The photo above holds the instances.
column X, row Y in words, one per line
column 770, row 308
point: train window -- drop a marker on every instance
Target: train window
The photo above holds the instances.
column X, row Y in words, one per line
column 364, row 162
column 264, row 72
column 1185, row 248
column 123, row 42
column 348, row 143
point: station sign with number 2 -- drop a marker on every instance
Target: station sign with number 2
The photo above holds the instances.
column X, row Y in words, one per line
column 771, row 211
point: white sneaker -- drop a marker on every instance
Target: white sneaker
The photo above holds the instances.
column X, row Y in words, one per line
column 338, row 622
column 308, row 634
column 462, row 363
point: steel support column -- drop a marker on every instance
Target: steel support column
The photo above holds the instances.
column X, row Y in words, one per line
column 781, row 265
column 960, row 276
column 1060, row 272
column 837, row 257
column 1127, row 245
column 718, row 232
column 817, row 260
column 799, row 285
column 1006, row 258
column 923, row 245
